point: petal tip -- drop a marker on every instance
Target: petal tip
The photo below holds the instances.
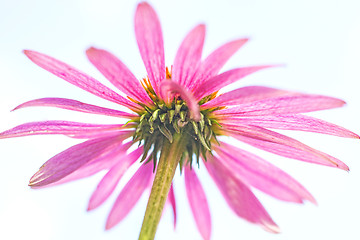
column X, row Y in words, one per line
column 271, row 227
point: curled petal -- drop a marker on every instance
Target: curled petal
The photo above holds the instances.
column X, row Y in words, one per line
column 198, row 203
column 284, row 105
column 216, row 83
column 216, row 60
column 282, row 145
column 188, row 56
column 246, row 95
column 111, row 179
column 74, row 105
column 150, row 41
column 167, row 87
column 292, row 122
column 77, row 78
column 261, row 174
column 117, row 73
column 71, row 129
column 68, row 161
column 129, row 195
column 239, row 197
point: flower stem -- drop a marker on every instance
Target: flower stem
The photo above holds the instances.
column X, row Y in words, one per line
column 170, row 156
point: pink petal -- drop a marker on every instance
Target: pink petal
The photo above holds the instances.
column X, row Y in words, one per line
column 117, row 73
column 78, row 78
column 187, row 59
column 256, row 172
column 129, row 195
column 292, row 122
column 171, row 199
column 106, row 161
column 168, row 86
column 211, row 66
column 282, row 145
column 70, row 160
column 150, row 41
column 216, row 83
column 284, row 105
column 111, row 179
column 75, row 106
column 198, row 203
column 239, row 197
column 246, row 95
column 71, row 129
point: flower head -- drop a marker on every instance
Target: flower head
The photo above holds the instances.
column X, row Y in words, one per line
column 179, row 111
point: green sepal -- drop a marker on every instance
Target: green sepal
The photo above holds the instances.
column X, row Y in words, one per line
column 155, row 114
column 163, row 117
column 183, row 116
column 202, row 122
column 178, row 108
column 171, row 115
column 195, row 127
column 176, row 127
column 166, row 133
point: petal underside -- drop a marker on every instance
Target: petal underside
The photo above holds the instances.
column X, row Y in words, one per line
column 238, row 196
column 71, row 129
column 281, row 145
column 172, row 200
column 74, row 105
column 117, row 73
column 130, row 195
column 295, row 122
column 256, row 172
column 284, row 105
column 150, row 42
column 78, row 78
column 108, row 183
column 217, row 82
column 211, row 66
column 105, row 161
column 73, row 158
column 198, row 203
column 246, row 95
column 188, row 57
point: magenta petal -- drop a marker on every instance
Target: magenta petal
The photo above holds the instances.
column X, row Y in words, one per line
column 129, row 195
column 71, row 129
column 187, row 59
column 246, row 95
column 77, row 78
column 150, row 41
column 284, row 105
column 198, row 203
column 216, row 60
column 292, row 122
column 167, row 87
column 256, row 172
column 111, row 179
column 239, row 197
column 70, row 160
column 117, row 73
column 74, row 105
column 105, row 161
column 216, row 83
column 171, row 199
column 282, row 145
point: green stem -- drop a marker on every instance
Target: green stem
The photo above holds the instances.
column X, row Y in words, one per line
column 170, row 156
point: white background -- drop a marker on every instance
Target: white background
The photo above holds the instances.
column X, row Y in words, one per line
column 318, row 41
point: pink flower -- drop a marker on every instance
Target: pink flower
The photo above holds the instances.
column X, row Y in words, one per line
column 182, row 101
